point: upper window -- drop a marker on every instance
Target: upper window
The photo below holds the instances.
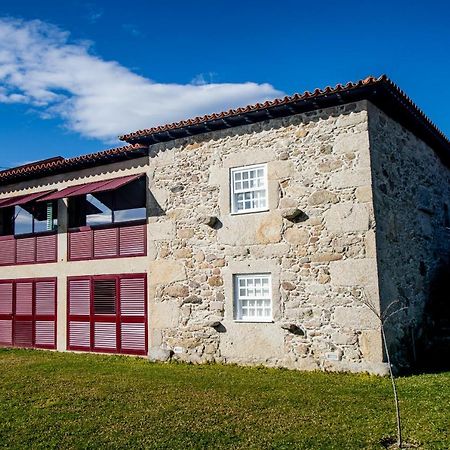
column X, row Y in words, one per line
column 253, row 298
column 249, row 189
column 28, row 218
column 124, row 204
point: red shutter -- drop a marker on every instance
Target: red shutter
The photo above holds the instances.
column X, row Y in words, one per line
column 6, row 311
column 132, row 240
column 6, row 332
column 132, row 297
column 46, row 248
column 79, row 335
column 105, row 336
column 105, row 243
column 133, row 337
column 79, row 297
column 79, row 327
column 23, row 333
column 80, row 245
column 24, row 298
column 26, row 250
column 6, row 298
column 45, row 298
column 45, row 333
column 7, row 251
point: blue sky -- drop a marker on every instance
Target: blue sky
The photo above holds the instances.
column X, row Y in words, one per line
column 89, row 70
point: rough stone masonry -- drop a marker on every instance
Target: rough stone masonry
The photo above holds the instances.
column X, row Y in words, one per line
column 332, row 166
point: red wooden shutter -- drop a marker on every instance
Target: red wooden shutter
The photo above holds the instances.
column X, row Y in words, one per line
column 132, row 240
column 133, row 338
column 26, row 250
column 6, row 310
column 7, row 251
column 6, row 298
column 46, row 248
column 105, row 336
column 24, row 298
column 105, row 314
column 45, row 333
column 45, row 298
column 23, row 333
column 78, row 319
column 80, row 245
column 45, row 313
column 6, row 332
column 133, row 315
column 105, row 243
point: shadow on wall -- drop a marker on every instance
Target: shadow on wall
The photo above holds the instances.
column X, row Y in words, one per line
column 433, row 348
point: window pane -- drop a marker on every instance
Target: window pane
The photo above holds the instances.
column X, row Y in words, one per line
column 105, row 296
column 253, row 300
column 250, row 191
column 102, row 215
column 23, row 221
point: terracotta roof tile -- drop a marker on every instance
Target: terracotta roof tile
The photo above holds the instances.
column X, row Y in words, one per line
column 59, row 163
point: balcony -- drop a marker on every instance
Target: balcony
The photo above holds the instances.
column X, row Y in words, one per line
column 109, row 241
column 28, row 249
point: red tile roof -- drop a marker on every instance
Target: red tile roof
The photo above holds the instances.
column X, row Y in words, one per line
column 339, row 88
column 59, row 164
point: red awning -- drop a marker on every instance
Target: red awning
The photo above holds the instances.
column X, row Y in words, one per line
column 22, row 199
column 90, row 188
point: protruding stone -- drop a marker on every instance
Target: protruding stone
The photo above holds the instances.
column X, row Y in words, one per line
column 291, row 213
column 210, row 221
column 293, row 328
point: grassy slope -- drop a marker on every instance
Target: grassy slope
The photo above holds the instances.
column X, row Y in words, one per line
column 67, row 400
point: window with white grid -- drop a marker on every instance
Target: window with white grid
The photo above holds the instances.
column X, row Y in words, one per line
column 249, row 189
column 253, row 298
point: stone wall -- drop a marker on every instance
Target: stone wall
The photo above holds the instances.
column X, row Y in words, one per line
column 411, row 188
column 318, row 162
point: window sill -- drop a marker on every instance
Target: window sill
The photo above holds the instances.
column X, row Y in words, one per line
column 254, row 321
column 240, row 213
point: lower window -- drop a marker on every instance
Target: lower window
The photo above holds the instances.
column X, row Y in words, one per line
column 108, row 314
column 28, row 313
column 253, row 298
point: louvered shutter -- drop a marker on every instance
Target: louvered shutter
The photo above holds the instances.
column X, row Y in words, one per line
column 7, row 251
column 25, row 250
column 46, row 248
column 45, row 314
column 105, row 315
column 133, row 315
column 79, row 314
column 24, row 298
column 80, row 245
column 132, row 240
column 6, row 311
column 23, row 333
column 105, row 243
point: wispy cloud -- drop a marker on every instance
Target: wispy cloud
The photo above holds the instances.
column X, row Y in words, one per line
column 94, row 13
column 134, row 30
column 41, row 66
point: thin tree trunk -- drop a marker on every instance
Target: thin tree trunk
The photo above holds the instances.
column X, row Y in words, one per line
column 394, row 388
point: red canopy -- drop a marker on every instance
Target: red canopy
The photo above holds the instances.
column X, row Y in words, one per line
column 90, row 188
column 22, row 199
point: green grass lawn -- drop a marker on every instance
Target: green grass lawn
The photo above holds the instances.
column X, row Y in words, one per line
column 56, row 400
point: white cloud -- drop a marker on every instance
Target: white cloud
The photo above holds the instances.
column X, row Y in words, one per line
column 40, row 66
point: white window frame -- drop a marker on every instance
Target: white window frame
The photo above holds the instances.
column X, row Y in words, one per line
column 238, row 315
column 234, row 192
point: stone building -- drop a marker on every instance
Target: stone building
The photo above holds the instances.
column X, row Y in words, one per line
column 250, row 236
